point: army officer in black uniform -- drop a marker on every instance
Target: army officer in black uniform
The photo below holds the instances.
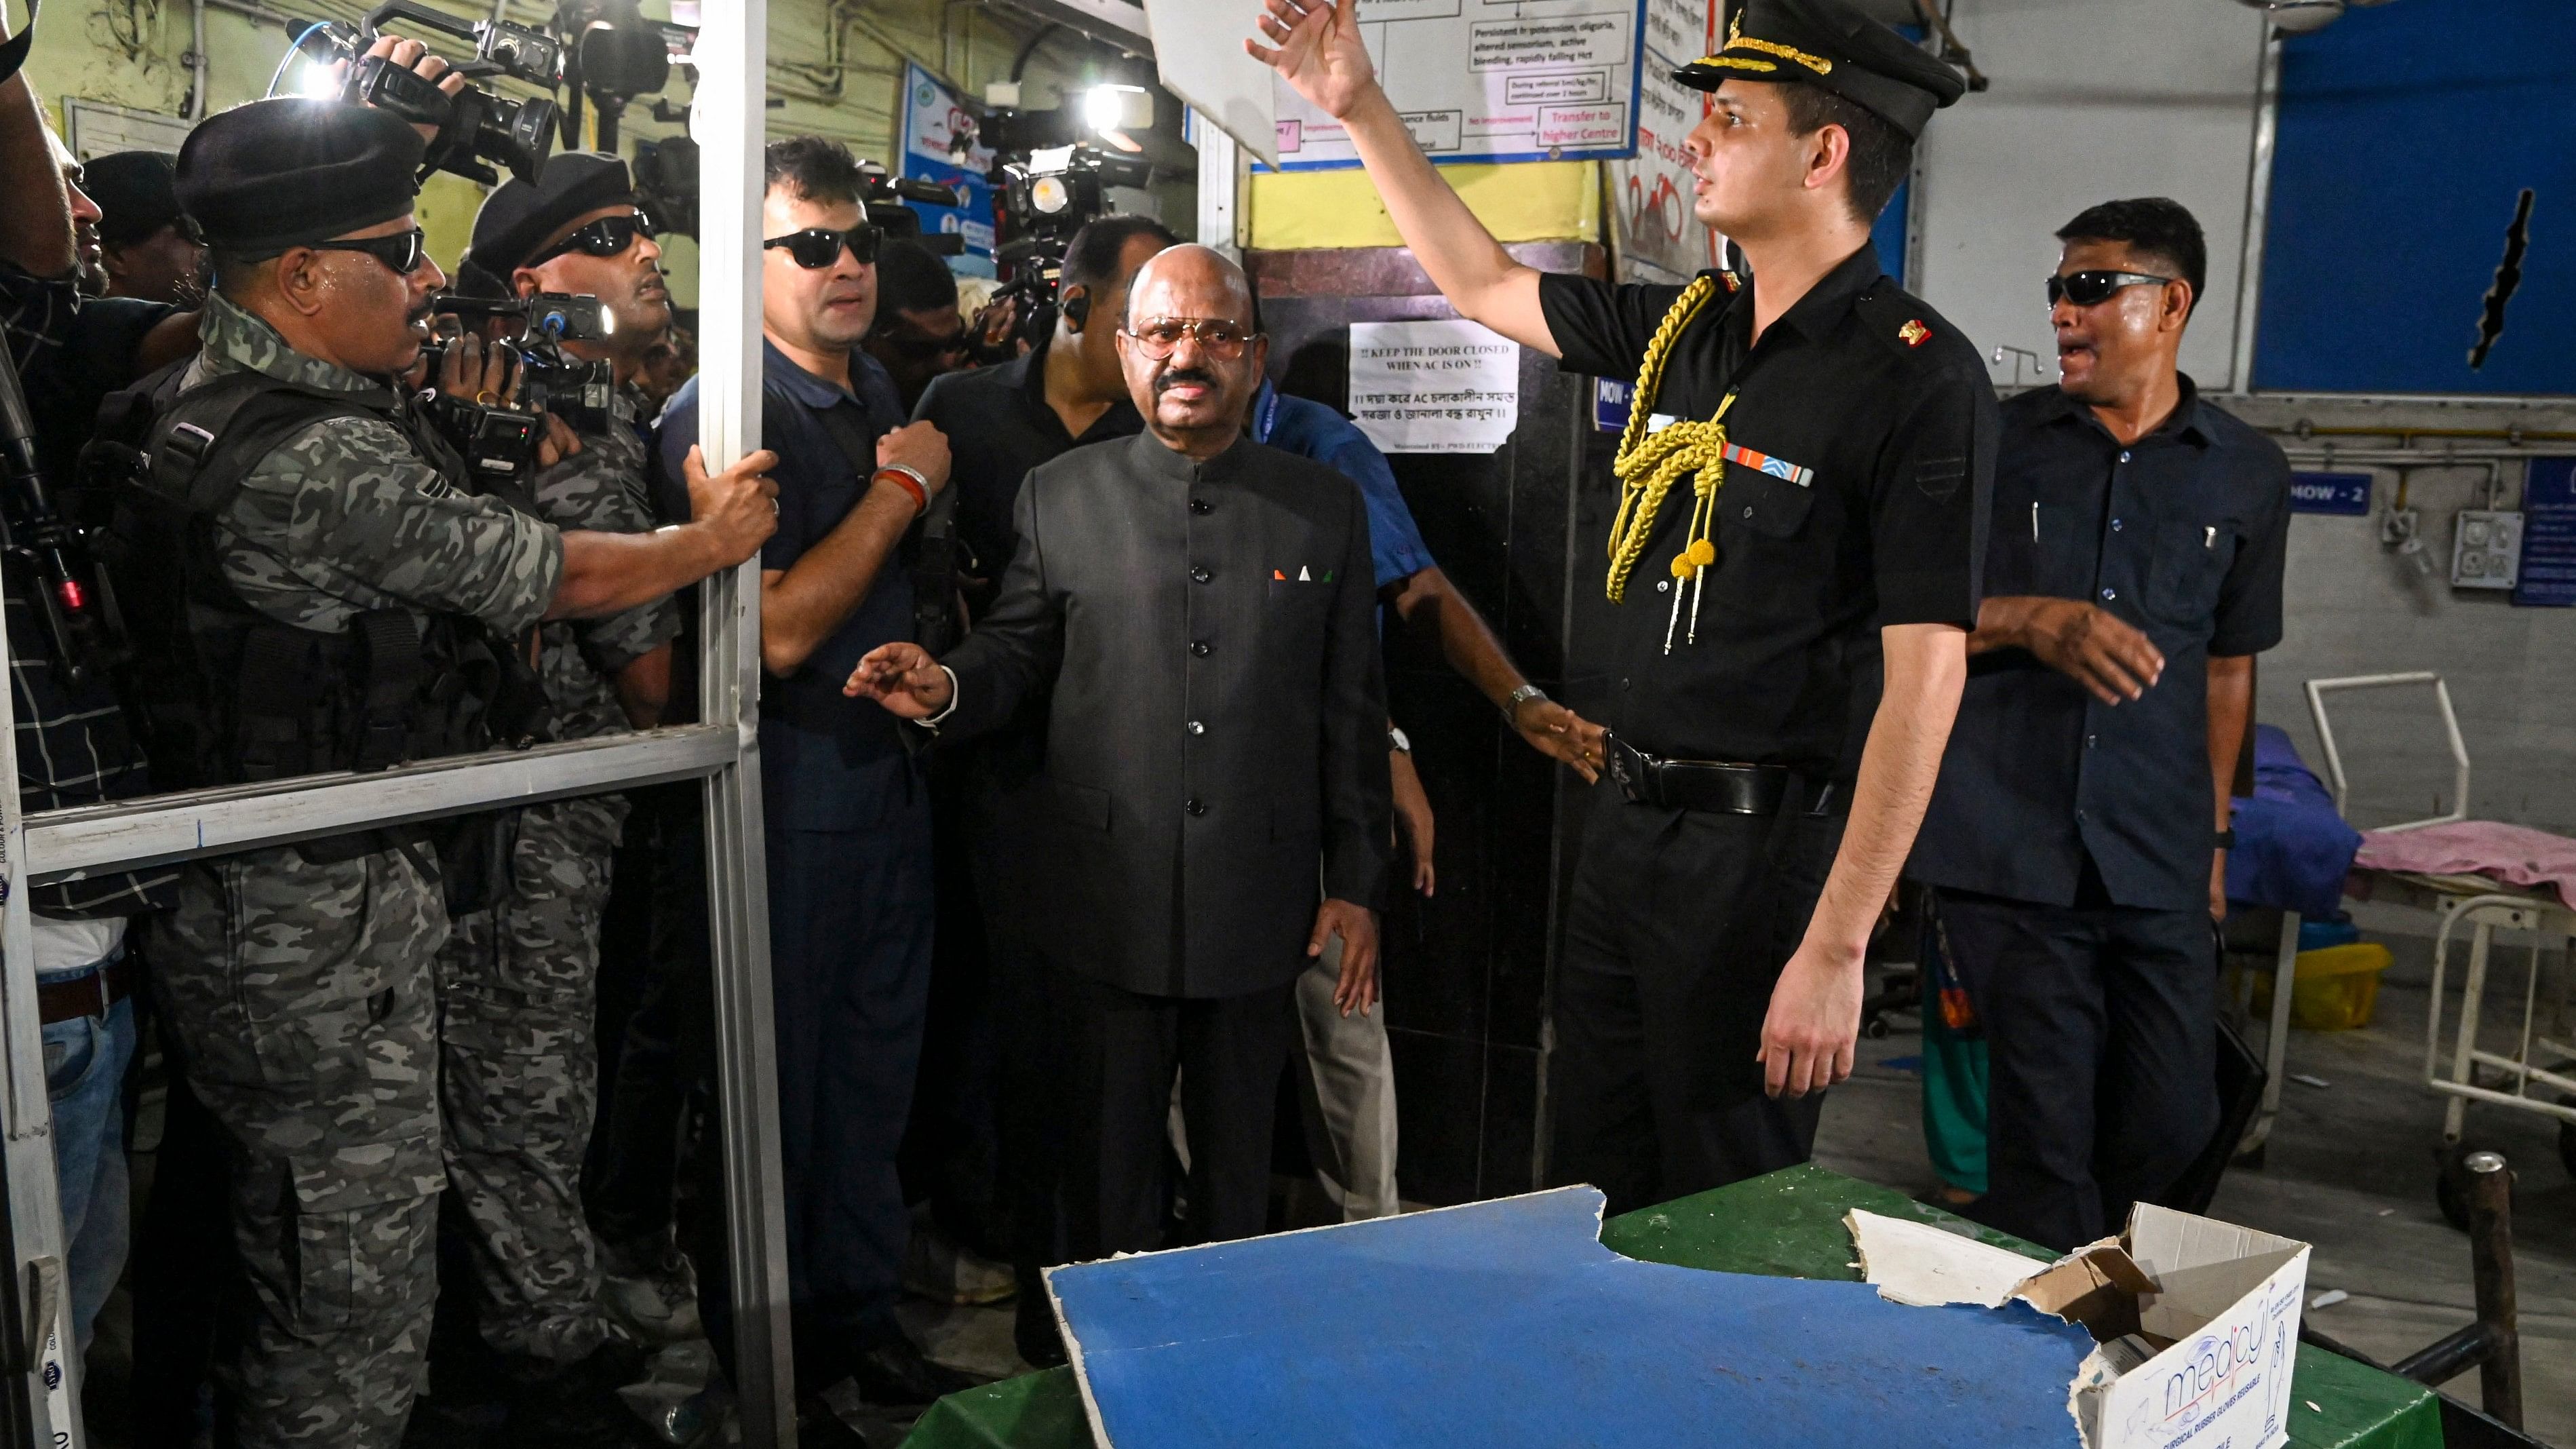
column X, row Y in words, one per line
column 1803, row 491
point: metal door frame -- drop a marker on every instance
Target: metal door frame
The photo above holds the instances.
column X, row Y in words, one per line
column 723, row 753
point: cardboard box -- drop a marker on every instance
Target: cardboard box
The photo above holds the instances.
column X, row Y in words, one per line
column 2197, row 1320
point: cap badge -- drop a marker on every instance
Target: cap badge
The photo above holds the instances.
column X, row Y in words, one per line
column 1914, row 333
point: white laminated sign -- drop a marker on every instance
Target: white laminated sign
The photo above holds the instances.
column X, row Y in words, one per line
column 1434, row 387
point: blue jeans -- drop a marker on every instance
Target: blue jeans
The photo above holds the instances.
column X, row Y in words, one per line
column 85, row 1061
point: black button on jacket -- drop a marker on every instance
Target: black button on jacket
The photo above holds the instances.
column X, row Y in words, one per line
column 1882, row 414
column 1180, row 860
column 2181, row 534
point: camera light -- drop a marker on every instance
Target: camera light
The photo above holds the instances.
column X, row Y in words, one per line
column 1117, row 108
column 319, row 81
column 1047, row 194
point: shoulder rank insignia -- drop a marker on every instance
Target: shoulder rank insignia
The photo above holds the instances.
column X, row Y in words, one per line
column 1734, row 283
column 1914, row 333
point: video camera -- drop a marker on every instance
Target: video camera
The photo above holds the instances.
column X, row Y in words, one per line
column 886, row 202
column 500, row 443
column 1047, row 195
column 72, row 595
column 476, row 128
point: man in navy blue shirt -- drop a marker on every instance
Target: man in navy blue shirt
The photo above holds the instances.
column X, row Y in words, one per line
column 847, row 810
column 2077, row 837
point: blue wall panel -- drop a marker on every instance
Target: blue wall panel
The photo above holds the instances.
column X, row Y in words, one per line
column 2407, row 134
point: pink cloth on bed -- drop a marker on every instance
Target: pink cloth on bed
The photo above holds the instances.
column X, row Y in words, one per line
column 2514, row 854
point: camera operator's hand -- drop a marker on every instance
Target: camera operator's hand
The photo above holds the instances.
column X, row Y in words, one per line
column 918, row 446
column 484, row 376
column 738, row 507
column 415, row 57
column 560, row 442
column 997, row 329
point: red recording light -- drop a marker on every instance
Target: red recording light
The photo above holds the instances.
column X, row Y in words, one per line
column 73, row 598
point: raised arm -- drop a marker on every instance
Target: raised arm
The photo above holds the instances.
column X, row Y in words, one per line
column 1320, row 54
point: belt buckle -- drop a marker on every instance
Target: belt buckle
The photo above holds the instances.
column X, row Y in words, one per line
column 1634, row 780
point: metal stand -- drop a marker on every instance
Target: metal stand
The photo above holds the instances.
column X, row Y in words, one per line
column 2276, row 1042
column 2492, row 1344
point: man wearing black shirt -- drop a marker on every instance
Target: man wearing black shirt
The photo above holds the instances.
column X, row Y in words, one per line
column 2078, row 837
column 1804, row 487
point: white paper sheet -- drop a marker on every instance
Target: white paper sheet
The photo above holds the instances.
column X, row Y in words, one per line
column 1434, row 387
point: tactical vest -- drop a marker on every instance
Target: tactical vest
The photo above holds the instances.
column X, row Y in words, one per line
column 223, row 694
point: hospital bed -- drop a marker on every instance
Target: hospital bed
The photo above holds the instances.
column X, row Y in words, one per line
column 2468, row 893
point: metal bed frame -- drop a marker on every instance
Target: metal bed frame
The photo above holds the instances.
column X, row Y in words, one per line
column 2486, row 906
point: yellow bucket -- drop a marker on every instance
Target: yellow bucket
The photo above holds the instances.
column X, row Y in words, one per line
column 2333, row 989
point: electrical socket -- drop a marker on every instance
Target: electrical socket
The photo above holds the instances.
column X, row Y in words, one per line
column 2486, row 548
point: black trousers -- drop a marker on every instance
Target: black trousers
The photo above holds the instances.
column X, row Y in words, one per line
column 850, row 921
column 1118, row 1053
column 2102, row 1087
column 666, row 1047
column 1681, row 921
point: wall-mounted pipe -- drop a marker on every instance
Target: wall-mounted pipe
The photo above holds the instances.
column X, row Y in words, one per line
column 2411, row 457
column 2507, row 436
column 195, row 110
column 256, row 12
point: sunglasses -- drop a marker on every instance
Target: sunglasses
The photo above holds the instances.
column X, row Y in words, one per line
column 404, row 251
column 2088, row 289
column 817, row 247
column 609, row 236
column 1158, row 337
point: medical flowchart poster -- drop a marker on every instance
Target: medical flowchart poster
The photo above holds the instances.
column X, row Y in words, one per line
column 1490, row 80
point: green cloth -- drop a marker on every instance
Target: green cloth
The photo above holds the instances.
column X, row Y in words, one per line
column 1954, row 1104
column 1787, row 1225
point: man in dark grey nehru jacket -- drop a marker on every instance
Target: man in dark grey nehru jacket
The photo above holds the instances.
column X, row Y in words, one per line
column 1201, row 607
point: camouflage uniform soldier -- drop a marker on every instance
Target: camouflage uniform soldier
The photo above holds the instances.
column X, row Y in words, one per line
column 338, row 561
column 518, row 984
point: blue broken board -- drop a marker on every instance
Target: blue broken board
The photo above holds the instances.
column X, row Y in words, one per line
column 1507, row 1324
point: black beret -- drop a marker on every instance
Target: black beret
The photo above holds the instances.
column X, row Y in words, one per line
column 134, row 194
column 517, row 217
column 277, row 173
column 910, row 279
column 1828, row 44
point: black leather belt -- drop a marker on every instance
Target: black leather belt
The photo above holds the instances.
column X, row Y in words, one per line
column 92, row 993
column 1708, row 785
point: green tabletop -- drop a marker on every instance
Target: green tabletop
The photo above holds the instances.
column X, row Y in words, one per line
column 1786, row 1225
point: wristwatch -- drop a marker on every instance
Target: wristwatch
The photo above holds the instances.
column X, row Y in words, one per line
column 1513, row 701
column 2225, row 839
column 1396, row 741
